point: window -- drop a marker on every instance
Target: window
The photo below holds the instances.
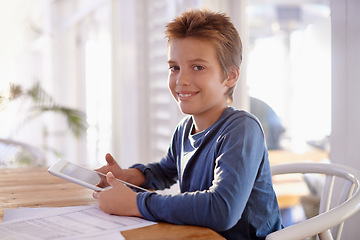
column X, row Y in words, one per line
column 289, row 67
column 108, row 58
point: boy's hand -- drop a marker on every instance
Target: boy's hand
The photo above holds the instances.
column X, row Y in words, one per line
column 111, row 166
column 133, row 176
column 118, row 200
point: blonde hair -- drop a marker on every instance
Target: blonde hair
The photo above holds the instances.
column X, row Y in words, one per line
column 215, row 28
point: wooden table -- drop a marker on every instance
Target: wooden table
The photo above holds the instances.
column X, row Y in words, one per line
column 35, row 187
column 287, row 156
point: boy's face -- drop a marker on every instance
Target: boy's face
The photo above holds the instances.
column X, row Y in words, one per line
column 196, row 79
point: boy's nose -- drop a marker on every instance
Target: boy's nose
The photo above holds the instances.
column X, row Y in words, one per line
column 183, row 78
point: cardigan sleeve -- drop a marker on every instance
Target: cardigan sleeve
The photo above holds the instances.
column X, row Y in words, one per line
column 240, row 152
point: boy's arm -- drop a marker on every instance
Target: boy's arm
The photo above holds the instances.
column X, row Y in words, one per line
column 222, row 205
column 134, row 176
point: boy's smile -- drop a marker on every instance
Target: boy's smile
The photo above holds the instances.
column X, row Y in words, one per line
column 184, row 96
column 196, row 80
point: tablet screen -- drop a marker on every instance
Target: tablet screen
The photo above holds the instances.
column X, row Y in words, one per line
column 81, row 173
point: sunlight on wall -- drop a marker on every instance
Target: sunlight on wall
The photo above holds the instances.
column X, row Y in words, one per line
column 98, row 98
column 290, row 71
column 266, row 68
column 311, row 98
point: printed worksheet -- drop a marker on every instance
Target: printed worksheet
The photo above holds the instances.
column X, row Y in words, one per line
column 69, row 223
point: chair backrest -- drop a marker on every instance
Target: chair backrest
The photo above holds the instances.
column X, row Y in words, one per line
column 329, row 223
column 18, row 154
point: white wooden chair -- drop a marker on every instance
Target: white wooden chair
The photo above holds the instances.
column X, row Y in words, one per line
column 329, row 223
column 19, row 154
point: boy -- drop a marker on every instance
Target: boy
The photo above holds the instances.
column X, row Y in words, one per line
column 217, row 153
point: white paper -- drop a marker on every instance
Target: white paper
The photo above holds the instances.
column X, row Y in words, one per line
column 101, row 236
column 25, row 212
column 68, row 223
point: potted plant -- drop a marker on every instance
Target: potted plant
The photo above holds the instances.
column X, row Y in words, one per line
column 40, row 102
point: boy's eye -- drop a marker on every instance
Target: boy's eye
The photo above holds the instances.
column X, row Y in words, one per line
column 173, row 68
column 198, row 68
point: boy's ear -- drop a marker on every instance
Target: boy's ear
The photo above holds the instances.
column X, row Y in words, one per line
column 232, row 77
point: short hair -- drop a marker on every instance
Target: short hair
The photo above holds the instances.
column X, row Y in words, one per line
column 215, row 28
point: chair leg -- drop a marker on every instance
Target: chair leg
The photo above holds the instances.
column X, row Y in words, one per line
column 326, row 235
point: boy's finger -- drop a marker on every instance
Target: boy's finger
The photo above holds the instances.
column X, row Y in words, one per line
column 109, row 159
column 95, row 195
column 111, row 179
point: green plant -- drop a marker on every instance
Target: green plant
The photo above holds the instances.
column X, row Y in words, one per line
column 42, row 102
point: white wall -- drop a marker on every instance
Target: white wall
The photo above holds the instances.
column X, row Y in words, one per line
column 345, row 136
column 124, row 82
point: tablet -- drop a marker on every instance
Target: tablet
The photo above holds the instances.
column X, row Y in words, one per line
column 84, row 176
column 76, row 174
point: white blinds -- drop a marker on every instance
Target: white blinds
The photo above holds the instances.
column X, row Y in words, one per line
column 163, row 114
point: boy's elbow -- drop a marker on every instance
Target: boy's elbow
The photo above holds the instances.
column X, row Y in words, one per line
column 223, row 216
column 223, row 222
column 220, row 226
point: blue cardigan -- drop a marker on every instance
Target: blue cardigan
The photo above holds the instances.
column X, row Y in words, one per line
column 224, row 176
